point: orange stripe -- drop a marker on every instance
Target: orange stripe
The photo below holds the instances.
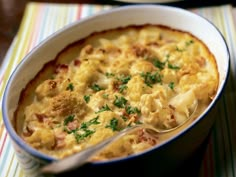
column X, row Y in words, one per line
column 34, row 28
column 1, row 130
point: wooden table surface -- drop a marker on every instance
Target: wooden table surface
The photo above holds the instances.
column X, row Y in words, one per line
column 11, row 12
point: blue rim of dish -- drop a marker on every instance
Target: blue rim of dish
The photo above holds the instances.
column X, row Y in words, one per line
column 45, row 158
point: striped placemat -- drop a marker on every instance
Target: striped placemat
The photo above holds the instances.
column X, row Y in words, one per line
column 42, row 19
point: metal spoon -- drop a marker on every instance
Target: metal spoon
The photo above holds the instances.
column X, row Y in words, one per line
column 83, row 157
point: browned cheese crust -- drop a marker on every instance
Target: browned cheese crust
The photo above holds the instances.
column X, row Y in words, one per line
column 114, row 79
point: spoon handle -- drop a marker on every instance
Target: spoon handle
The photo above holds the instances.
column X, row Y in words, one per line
column 79, row 159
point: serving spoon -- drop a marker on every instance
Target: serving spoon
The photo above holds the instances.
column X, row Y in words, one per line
column 83, row 157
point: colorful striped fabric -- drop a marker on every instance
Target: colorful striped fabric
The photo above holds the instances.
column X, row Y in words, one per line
column 42, row 19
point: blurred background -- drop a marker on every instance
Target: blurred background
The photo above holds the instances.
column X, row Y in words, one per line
column 11, row 12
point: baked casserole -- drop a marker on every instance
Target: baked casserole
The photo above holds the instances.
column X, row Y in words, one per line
column 114, row 79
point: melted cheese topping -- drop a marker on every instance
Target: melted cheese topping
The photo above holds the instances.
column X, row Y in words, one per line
column 120, row 78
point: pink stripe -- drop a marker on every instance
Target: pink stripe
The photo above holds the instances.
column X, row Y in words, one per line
column 79, row 12
column 4, row 141
column 1, row 78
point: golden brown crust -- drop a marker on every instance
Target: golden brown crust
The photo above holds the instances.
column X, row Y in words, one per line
column 114, row 79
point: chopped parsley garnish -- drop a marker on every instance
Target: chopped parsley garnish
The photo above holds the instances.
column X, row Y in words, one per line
column 138, row 122
column 122, row 88
column 87, row 98
column 104, row 108
column 187, row 43
column 113, row 124
column 82, row 132
column 132, row 110
column 82, row 136
column 159, row 64
column 70, row 118
column 120, row 102
column 96, row 87
column 85, row 125
column 70, row 87
column 124, row 79
column 68, row 131
column 105, row 96
column 179, row 50
column 124, row 118
column 167, row 56
column 150, row 78
column 171, row 85
column 109, row 74
column 173, row 66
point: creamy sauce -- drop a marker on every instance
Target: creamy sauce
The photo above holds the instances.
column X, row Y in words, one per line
column 114, row 79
